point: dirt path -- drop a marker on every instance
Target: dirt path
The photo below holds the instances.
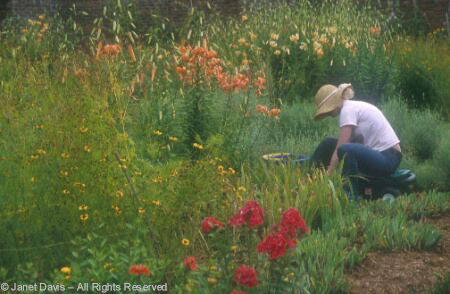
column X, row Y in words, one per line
column 404, row 272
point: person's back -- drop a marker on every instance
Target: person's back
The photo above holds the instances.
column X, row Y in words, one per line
column 369, row 124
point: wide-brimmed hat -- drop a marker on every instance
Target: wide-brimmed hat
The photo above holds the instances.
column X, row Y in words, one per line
column 330, row 97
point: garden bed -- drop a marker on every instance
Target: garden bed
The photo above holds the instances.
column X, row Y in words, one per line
column 404, row 272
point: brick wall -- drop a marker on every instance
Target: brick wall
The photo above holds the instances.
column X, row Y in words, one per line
column 176, row 10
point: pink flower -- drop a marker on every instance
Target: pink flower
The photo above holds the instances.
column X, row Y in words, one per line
column 191, row 263
column 252, row 213
column 211, row 223
column 246, row 275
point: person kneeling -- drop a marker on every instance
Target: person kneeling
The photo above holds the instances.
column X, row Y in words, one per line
column 377, row 150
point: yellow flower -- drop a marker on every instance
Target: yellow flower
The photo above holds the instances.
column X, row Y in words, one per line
column 198, row 146
column 277, row 52
column 83, row 129
column 87, row 148
column 317, row 45
column 156, row 202
column 83, row 207
column 185, row 242
column 212, row 268
column 67, row 270
column 275, row 36
column 173, row 138
column 65, row 191
column 141, row 210
column 273, row 44
column 323, row 40
column 157, row 132
column 33, row 179
column 234, row 248
column 84, row 217
column 78, row 184
column 120, row 194
column 117, row 209
column 231, row 171
column 242, row 41
column 244, row 18
column 319, row 52
column 295, row 38
column 212, row 280
column 332, row 30
column 34, row 157
column 241, row 189
column 65, row 155
column 158, row 179
column 64, row 173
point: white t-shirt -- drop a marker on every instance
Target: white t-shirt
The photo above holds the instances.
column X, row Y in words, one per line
column 369, row 123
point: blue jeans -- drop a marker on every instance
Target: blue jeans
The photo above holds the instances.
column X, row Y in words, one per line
column 358, row 160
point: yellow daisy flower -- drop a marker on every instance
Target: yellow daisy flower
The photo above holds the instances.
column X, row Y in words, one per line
column 67, row 270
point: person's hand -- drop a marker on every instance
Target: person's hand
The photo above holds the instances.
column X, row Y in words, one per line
column 333, row 163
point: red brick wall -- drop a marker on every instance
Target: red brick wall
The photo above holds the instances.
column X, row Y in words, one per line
column 176, row 10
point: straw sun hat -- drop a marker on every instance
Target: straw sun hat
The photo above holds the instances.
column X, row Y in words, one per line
column 330, row 97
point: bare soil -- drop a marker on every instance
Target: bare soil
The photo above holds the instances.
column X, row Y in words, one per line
column 404, row 272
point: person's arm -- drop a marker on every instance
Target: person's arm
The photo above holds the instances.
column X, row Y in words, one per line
column 344, row 137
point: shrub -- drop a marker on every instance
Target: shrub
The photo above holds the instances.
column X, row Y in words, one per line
column 424, row 71
column 441, row 161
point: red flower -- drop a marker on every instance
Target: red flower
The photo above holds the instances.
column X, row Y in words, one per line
column 211, row 223
column 191, row 263
column 246, row 275
column 293, row 221
column 276, row 245
column 252, row 213
column 140, row 270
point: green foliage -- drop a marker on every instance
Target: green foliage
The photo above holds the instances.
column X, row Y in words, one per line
column 396, row 233
column 441, row 160
column 442, row 286
column 318, row 196
column 115, row 161
column 116, row 23
column 424, row 140
column 423, row 75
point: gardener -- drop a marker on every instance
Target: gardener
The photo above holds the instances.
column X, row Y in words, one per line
column 367, row 143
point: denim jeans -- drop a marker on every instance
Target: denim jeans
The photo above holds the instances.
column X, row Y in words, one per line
column 358, row 160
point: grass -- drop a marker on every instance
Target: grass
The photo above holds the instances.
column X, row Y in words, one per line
column 113, row 160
